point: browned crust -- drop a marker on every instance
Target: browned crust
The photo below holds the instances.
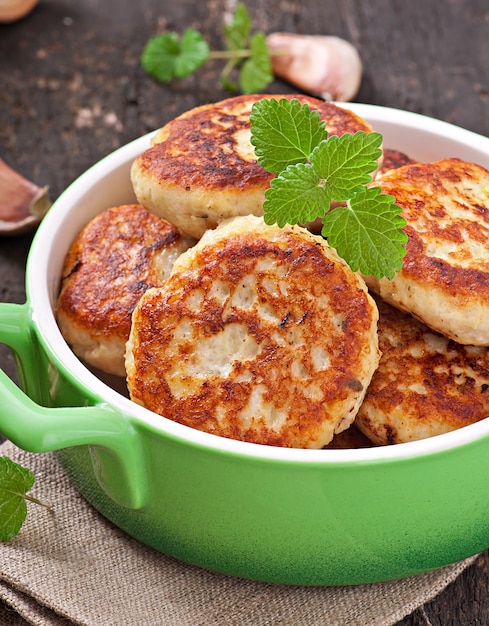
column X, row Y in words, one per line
column 206, row 135
column 392, row 159
column 422, row 190
column 110, row 266
column 454, row 380
column 310, row 277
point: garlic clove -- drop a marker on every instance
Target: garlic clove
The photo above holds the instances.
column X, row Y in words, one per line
column 324, row 66
column 13, row 10
column 22, row 203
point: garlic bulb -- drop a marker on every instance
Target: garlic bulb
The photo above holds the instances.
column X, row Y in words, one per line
column 324, row 66
column 22, row 203
column 12, row 10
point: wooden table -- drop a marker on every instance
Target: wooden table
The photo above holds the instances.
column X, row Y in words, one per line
column 72, row 90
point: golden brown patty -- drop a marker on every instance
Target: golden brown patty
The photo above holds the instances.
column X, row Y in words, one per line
column 118, row 255
column 444, row 279
column 392, row 159
column 260, row 334
column 425, row 384
column 202, row 167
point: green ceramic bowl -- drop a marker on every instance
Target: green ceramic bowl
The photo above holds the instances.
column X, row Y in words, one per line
column 308, row 517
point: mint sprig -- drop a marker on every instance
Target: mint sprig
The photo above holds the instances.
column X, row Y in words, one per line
column 168, row 56
column 284, row 133
column 368, row 233
column 15, row 482
column 255, row 72
column 237, row 31
column 315, row 172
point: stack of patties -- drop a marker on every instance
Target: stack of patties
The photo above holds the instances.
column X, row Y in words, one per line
column 260, row 333
column 433, row 376
column 263, row 334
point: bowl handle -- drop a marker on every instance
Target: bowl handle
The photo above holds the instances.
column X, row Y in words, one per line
column 115, row 447
column 15, row 332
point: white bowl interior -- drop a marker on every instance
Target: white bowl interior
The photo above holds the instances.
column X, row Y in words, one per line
column 108, row 184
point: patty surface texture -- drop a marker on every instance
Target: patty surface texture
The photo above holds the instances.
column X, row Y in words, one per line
column 444, row 280
column 121, row 252
column 261, row 334
column 425, row 385
column 392, row 159
column 202, row 169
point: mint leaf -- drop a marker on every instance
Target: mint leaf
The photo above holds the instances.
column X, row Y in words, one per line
column 194, row 53
column 284, row 132
column 15, row 482
column 327, row 177
column 237, row 32
column 236, row 39
column 226, row 81
column 368, row 233
column 345, row 163
column 158, row 56
column 256, row 72
column 168, row 56
column 295, row 196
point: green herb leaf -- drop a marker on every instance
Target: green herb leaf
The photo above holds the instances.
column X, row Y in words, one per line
column 368, row 233
column 284, row 132
column 295, row 197
column 327, row 177
column 194, row 53
column 237, row 32
column 168, row 56
column 256, row 72
column 226, row 81
column 15, row 482
column 345, row 163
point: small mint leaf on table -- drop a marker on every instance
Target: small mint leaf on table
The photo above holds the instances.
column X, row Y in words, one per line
column 236, row 39
column 194, row 53
column 284, row 132
column 15, row 482
column 226, row 82
column 367, row 233
column 237, row 31
column 169, row 56
column 256, row 72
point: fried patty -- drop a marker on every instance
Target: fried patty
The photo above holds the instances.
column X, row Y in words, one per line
column 425, row 384
column 260, row 334
column 444, row 280
column 392, row 159
column 117, row 256
column 202, row 169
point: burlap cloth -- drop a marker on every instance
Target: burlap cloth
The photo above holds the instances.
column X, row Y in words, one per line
column 72, row 566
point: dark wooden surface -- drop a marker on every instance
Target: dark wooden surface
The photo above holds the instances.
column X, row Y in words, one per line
column 72, row 90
